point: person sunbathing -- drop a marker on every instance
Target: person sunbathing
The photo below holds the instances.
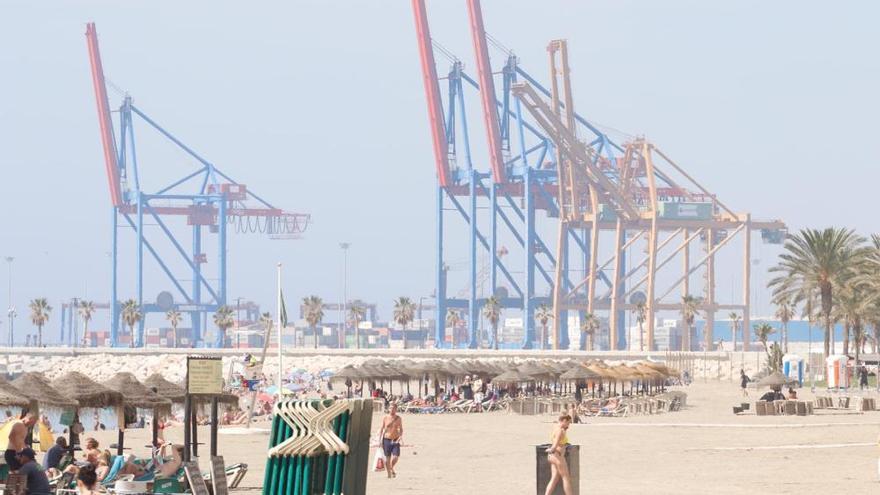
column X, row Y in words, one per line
column 105, row 460
column 169, row 467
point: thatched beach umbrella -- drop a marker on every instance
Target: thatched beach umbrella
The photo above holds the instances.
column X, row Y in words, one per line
column 12, row 397
column 36, row 387
column 579, row 373
column 512, row 377
column 136, row 394
column 166, row 389
column 87, row 392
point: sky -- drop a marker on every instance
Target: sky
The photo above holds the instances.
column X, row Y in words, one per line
column 319, row 107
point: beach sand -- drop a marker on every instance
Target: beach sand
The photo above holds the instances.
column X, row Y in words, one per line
column 702, row 449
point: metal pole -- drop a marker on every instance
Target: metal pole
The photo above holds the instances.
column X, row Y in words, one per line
column 342, row 306
column 11, row 311
column 114, row 308
column 187, row 417
column 280, row 330
column 215, row 421
column 194, row 423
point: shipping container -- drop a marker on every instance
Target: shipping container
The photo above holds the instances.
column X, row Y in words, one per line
column 685, row 211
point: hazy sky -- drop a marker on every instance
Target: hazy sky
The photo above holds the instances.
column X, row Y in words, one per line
column 319, row 107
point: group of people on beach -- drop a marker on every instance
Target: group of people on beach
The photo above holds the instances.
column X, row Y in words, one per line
column 94, row 466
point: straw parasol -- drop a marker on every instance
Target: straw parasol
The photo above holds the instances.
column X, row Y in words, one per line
column 579, row 373
column 166, row 389
column 36, row 387
column 135, row 393
column 12, row 397
column 513, row 376
column 348, row 372
column 87, row 392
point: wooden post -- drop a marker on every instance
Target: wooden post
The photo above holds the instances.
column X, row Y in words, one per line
column 187, row 418
column 215, row 421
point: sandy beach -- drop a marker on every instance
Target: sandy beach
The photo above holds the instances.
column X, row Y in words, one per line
column 703, row 447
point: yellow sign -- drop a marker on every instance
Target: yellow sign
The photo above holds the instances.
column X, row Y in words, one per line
column 204, row 376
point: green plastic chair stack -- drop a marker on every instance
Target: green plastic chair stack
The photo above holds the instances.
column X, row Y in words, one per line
column 319, row 447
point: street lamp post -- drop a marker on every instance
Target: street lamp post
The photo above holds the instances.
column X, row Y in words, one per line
column 344, row 246
column 11, row 311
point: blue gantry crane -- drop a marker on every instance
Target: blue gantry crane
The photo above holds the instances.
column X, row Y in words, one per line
column 210, row 202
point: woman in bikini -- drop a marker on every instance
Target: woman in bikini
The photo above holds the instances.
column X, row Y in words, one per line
column 556, row 456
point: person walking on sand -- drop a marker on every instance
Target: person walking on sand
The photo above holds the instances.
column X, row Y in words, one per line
column 556, row 457
column 17, row 435
column 391, row 434
column 744, row 382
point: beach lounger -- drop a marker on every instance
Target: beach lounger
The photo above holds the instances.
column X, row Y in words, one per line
column 110, row 479
column 801, row 408
column 790, row 407
column 761, row 408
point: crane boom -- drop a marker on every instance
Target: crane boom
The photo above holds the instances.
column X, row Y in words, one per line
column 487, row 90
column 106, row 124
column 432, row 92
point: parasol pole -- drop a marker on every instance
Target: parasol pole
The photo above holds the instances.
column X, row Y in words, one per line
column 280, row 332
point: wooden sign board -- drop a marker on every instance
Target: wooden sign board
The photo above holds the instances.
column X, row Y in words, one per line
column 194, row 478
column 218, row 476
column 204, row 375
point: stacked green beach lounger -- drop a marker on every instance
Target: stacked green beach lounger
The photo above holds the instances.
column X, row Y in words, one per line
column 319, row 447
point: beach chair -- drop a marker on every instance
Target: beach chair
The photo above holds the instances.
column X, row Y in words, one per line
column 809, row 408
column 801, row 408
column 761, row 408
column 843, row 402
column 790, row 407
column 110, row 479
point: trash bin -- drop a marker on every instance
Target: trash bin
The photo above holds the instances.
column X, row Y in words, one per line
column 572, row 458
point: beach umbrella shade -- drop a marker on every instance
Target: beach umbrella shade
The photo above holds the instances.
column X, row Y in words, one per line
column 579, row 373
column 136, row 394
column 36, row 387
column 512, row 377
column 88, row 393
column 12, row 397
column 166, row 389
column 349, row 372
column 775, row 379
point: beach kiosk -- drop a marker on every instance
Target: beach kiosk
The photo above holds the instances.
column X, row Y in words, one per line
column 793, row 367
column 837, row 372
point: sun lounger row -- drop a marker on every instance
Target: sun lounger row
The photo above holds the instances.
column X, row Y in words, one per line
column 783, row 408
column 861, row 403
column 460, row 406
column 627, row 406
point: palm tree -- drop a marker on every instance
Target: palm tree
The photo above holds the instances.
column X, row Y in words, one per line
column 313, row 308
column 544, row 314
column 589, row 326
column 641, row 314
column 224, row 319
column 763, row 331
column 131, row 315
column 784, row 313
column 173, row 316
column 40, row 310
column 404, row 313
column 734, row 325
column 86, row 309
column 816, row 263
column 492, row 312
column 689, row 307
column 356, row 313
column 453, row 318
